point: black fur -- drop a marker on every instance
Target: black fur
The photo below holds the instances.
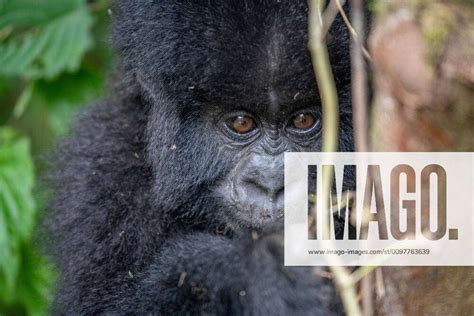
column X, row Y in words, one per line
column 138, row 230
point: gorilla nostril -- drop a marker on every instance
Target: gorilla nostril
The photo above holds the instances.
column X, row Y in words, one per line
column 255, row 185
column 276, row 193
column 272, row 189
column 280, row 192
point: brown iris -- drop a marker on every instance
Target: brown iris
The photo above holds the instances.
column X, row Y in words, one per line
column 303, row 121
column 242, row 124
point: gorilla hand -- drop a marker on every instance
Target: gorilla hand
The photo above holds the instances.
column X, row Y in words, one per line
column 244, row 275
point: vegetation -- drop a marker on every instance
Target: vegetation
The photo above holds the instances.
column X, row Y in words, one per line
column 54, row 56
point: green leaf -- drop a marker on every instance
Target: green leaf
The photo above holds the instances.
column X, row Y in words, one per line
column 65, row 95
column 73, row 88
column 51, row 37
column 17, row 206
column 25, row 13
column 34, row 290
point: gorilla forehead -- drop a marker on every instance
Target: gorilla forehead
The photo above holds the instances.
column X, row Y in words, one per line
column 248, row 53
column 241, row 53
column 256, row 53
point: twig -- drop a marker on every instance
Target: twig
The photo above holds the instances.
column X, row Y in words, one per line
column 367, row 290
column 330, row 106
column 359, row 80
column 353, row 32
column 325, row 80
column 362, row 272
column 359, row 105
column 379, row 284
column 330, row 14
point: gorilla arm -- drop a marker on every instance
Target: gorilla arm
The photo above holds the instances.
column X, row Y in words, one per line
column 202, row 273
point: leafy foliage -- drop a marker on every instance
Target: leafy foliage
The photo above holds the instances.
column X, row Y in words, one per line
column 56, row 42
column 17, row 203
column 21, row 283
column 53, row 60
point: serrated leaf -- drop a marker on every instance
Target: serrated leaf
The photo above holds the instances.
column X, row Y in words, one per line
column 55, row 43
column 25, row 13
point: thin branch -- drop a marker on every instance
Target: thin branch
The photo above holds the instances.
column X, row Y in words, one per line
column 330, row 106
column 362, row 272
column 379, row 283
column 359, row 79
column 367, row 290
column 330, row 14
column 353, row 32
column 325, row 79
column 359, row 105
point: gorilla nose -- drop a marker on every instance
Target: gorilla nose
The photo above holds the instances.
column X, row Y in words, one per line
column 269, row 186
column 260, row 188
column 265, row 196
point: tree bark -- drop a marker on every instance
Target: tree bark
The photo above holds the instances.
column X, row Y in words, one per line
column 423, row 59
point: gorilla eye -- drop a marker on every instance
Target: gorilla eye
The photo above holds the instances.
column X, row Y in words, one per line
column 303, row 121
column 241, row 124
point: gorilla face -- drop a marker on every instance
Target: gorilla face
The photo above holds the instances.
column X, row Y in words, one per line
column 252, row 190
column 233, row 87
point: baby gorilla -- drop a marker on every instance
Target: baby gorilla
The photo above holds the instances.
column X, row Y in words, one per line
column 169, row 197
